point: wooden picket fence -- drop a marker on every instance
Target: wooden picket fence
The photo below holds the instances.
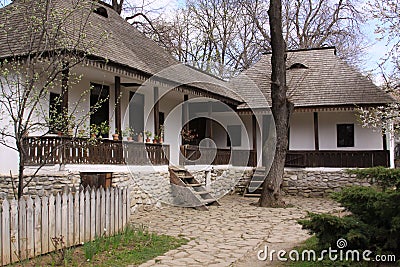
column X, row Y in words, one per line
column 28, row 226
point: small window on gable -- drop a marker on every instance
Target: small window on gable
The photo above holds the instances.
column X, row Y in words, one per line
column 102, row 11
column 297, row 66
column 345, row 135
column 234, row 135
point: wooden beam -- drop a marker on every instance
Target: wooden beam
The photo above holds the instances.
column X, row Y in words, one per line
column 254, row 131
column 209, row 133
column 118, row 104
column 156, row 110
column 64, row 87
column 384, row 142
column 316, row 131
column 130, row 84
column 185, row 112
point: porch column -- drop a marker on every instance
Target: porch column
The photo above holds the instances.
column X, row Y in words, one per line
column 266, row 130
column 156, row 111
column 118, row 104
column 64, row 87
column 209, row 133
column 254, row 131
column 185, row 112
column 316, row 131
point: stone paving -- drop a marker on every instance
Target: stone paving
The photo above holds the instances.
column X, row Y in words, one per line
column 230, row 234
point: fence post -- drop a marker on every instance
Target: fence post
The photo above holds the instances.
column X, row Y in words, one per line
column 38, row 226
column 98, row 210
column 103, row 211
column 92, row 213
column 45, row 224
column 5, row 233
column 64, row 217
column 70, row 223
column 22, row 228
column 112, row 211
column 87, row 214
column 76, row 218
column 117, row 211
column 14, row 231
column 30, row 234
column 52, row 221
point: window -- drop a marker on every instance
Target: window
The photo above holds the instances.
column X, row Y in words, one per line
column 161, row 118
column 234, row 135
column 136, row 112
column 101, row 11
column 345, row 135
column 99, row 103
column 54, row 112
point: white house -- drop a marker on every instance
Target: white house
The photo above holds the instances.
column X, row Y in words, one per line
column 143, row 87
column 325, row 130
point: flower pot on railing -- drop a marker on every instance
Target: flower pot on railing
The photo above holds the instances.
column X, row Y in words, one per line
column 115, row 137
column 140, row 138
column 129, row 138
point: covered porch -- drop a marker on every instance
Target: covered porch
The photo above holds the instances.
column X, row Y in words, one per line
column 67, row 150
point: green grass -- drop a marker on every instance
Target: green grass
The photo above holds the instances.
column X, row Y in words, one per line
column 132, row 247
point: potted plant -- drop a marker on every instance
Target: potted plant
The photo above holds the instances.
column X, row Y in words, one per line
column 148, row 136
column 140, row 138
column 156, row 139
column 104, row 129
column 188, row 135
column 161, row 134
column 116, row 135
column 128, row 133
column 94, row 131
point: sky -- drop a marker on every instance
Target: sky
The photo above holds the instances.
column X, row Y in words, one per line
column 375, row 51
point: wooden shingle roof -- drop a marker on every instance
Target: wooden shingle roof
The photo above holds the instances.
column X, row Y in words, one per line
column 124, row 44
column 315, row 77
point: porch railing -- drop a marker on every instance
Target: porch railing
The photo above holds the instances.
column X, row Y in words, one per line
column 340, row 159
column 57, row 150
column 219, row 157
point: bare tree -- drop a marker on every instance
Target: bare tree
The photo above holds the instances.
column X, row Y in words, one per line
column 316, row 23
column 233, row 33
column 44, row 45
column 281, row 108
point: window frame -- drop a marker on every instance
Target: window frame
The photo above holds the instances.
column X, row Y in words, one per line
column 348, row 140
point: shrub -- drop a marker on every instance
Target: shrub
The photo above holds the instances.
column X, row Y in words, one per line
column 374, row 220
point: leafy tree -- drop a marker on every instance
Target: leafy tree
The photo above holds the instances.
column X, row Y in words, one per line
column 387, row 117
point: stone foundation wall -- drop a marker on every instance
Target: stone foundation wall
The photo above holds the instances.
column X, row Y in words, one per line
column 318, row 182
column 51, row 182
column 311, row 182
column 144, row 185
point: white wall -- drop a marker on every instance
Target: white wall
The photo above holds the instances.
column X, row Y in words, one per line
column 171, row 106
column 302, row 131
column 364, row 138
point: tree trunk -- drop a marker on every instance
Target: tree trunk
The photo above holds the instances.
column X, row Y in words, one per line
column 21, row 168
column 117, row 6
column 281, row 109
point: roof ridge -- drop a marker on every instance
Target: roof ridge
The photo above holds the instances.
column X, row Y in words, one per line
column 305, row 49
column 204, row 72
